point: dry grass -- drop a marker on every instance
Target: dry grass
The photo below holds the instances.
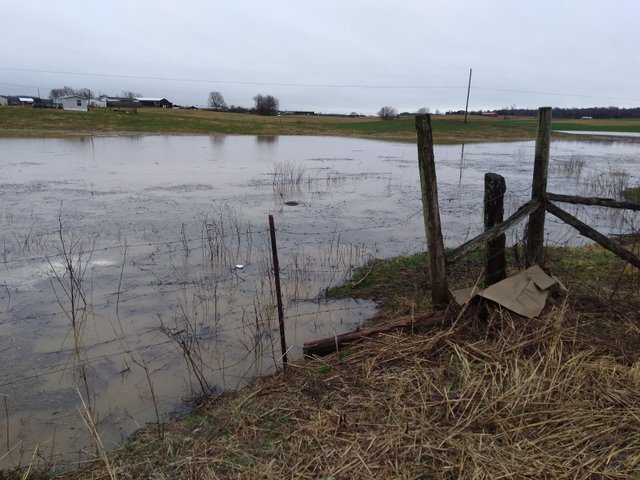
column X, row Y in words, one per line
column 504, row 397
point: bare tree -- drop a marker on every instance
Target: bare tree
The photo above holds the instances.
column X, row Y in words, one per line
column 61, row 92
column 129, row 94
column 266, row 104
column 387, row 113
column 423, row 110
column 216, row 100
column 84, row 93
column 68, row 91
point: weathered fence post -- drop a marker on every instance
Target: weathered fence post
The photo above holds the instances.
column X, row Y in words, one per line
column 276, row 271
column 535, row 231
column 496, row 262
column 440, row 295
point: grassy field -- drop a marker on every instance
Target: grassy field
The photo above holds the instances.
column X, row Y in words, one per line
column 28, row 122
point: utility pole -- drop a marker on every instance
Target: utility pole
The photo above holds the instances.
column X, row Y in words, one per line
column 466, row 108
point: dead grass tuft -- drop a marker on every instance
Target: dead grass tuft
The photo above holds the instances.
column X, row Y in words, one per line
column 500, row 397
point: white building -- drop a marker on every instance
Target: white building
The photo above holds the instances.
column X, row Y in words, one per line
column 72, row 102
column 3, row 101
column 97, row 103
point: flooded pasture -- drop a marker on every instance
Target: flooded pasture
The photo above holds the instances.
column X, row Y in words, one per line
column 135, row 270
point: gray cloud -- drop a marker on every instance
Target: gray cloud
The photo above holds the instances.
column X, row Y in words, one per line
column 330, row 56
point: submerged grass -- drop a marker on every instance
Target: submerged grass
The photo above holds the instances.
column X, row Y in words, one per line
column 480, row 397
column 631, row 194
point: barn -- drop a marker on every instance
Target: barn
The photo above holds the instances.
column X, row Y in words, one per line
column 73, row 102
column 3, row 101
column 155, row 102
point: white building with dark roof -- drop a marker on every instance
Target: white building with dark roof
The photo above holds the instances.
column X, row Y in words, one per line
column 73, row 103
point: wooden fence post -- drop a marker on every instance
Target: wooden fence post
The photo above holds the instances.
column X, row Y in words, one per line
column 535, row 231
column 440, row 295
column 496, row 263
column 276, row 271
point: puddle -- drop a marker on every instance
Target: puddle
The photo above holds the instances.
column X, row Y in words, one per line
column 135, row 241
column 601, row 134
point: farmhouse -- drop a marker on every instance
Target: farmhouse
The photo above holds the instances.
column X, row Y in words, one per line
column 73, row 102
column 155, row 102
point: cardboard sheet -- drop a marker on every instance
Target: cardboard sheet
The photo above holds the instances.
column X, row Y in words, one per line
column 524, row 293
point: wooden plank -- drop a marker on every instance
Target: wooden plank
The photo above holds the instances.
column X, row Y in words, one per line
column 593, row 201
column 494, row 231
column 594, row 235
column 535, row 231
column 325, row 346
column 496, row 260
column 440, row 294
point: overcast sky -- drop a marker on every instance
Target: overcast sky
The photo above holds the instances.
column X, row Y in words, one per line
column 330, row 55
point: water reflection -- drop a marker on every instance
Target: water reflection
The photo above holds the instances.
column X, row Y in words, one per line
column 218, row 140
column 266, row 139
column 615, row 136
column 461, row 164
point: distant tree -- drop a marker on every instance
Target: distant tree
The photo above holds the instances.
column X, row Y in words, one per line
column 61, row 92
column 423, row 110
column 387, row 113
column 266, row 104
column 68, row 91
column 129, row 94
column 216, row 100
column 84, row 93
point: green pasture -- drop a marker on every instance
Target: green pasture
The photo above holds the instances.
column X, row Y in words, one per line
column 28, row 122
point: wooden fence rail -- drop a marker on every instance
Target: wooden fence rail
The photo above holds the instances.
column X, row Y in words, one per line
column 495, row 231
column 540, row 203
column 592, row 201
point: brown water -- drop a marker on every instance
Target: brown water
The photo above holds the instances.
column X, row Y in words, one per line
column 168, row 245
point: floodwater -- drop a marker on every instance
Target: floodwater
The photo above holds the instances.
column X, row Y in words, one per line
column 592, row 133
column 135, row 270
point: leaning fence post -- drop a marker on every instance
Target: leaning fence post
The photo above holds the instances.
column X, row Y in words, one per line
column 440, row 295
column 276, row 271
column 494, row 189
column 535, row 230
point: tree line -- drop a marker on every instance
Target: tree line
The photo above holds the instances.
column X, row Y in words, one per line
column 592, row 112
column 263, row 104
column 269, row 105
column 87, row 93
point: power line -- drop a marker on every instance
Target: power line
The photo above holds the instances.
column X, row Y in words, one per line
column 236, row 82
column 305, row 85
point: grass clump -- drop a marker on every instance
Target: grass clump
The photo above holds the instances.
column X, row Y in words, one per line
column 631, row 194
